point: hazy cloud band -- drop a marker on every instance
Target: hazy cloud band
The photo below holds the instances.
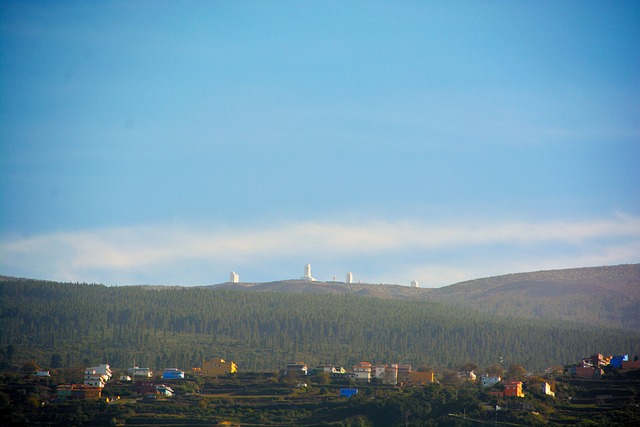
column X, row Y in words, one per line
column 127, row 250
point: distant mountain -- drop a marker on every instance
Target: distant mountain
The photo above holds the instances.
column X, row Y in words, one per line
column 620, row 279
column 605, row 296
column 602, row 296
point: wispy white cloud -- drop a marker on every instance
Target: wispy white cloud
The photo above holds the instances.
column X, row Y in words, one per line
column 401, row 250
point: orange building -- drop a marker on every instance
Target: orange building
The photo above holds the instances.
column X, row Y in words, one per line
column 513, row 389
column 218, row 368
column 79, row 391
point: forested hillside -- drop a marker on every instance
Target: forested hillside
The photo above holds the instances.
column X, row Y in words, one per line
column 70, row 324
column 603, row 296
column 621, row 279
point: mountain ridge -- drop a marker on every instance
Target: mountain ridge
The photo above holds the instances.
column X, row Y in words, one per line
column 623, row 279
column 606, row 295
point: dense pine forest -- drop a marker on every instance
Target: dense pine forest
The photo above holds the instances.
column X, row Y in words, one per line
column 600, row 296
column 66, row 324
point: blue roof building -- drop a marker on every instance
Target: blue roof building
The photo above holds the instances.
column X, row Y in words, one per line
column 173, row 374
column 348, row 392
column 616, row 361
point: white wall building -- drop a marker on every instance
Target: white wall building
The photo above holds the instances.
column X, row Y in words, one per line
column 349, row 278
column 388, row 374
column 97, row 376
column 307, row 274
column 332, row 369
column 141, row 372
column 488, row 381
column 415, row 284
column 546, row 389
column 362, row 371
column 234, row 278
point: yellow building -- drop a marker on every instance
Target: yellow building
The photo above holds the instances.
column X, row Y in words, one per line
column 218, row 368
column 417, row 377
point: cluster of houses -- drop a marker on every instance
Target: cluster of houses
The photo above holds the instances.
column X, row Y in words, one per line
column 593, row 367
column 365, row 372
column 395, row 374
column 512, row 388
column 96, row 377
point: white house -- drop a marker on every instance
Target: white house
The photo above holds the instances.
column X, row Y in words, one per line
column 164, row 390
column 102, row 369
column 546, row 389
column 387, row 373
column 362, row 371
column 488, row 381
column 97, row 376
column 141, row 372
column 332, row 369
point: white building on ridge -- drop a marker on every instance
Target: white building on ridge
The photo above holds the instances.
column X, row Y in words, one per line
column 307, row 274
column 233, row 277
column 349, row 278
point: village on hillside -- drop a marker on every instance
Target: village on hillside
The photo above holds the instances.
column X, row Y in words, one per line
column 149, row 385
column 368, row 394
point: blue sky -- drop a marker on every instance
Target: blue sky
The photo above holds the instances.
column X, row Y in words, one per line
column 172, row 142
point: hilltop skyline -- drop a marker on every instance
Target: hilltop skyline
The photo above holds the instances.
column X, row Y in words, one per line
column 169, row 143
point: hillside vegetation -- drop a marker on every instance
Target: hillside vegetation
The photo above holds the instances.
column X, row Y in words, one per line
column 69, row 324
column 604, row 296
